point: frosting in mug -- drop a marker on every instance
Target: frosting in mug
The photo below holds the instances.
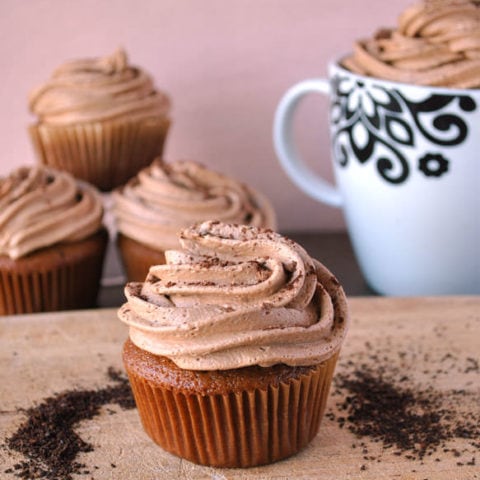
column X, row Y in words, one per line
column 98, row 89
column 40, row 207
column 236, row 296
column 164, row 198
column 436, row 43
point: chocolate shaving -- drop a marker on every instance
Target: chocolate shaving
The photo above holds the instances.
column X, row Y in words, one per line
column 378, row 400
column 47, row 437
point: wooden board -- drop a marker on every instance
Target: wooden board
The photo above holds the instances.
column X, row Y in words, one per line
column 44, row 354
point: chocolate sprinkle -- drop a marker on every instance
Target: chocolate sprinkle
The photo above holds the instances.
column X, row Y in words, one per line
column 47, row 437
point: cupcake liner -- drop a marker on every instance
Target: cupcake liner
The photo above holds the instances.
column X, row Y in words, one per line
column 137, row 258
column 105, row 153
column 62, row 277
column 244, row 428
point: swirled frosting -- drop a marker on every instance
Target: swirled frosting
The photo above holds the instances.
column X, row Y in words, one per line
column 436, row 43
column 40, row 207
column 164, row 198
column 236, row 296
column 98, row 89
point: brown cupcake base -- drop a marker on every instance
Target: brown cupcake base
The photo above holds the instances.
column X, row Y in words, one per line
column 235, row 418
column 137, row 258
column 62, row 277
column 106, row 153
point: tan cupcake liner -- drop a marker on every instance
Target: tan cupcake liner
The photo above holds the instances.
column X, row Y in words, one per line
column 105, row 153
column 137, row 258
column 243, row 429
column 64, row 277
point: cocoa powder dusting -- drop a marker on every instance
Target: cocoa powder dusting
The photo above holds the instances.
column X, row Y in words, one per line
column 47, row 437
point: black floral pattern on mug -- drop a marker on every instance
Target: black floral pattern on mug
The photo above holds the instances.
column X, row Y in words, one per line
column 381, row 123
column 433, row 165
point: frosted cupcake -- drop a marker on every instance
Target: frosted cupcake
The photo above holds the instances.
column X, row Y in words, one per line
column 232, row 346
column 436, row 42
column 52, row 243
column 100, row 119
column 164, row 198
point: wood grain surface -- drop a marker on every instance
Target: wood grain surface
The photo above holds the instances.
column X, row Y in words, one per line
column 45, row 354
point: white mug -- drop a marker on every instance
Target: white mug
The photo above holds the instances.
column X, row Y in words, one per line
column 407, row 172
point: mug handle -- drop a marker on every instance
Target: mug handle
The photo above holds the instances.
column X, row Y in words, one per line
column 303, row 176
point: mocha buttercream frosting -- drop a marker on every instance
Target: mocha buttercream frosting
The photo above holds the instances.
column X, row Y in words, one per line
column 435, row 43
column 164, row 198
column 98, row 89
column 40, row 207
column 236, row 296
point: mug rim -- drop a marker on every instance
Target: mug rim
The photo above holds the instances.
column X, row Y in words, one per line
column 335, row 63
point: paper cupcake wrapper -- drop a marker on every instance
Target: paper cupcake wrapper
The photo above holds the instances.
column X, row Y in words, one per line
column 137, row 258
column 241, row 429
column 105, row 153
column 48, row 281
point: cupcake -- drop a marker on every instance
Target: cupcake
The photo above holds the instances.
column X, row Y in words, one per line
column 232, row 346
column 100, row 119
column 435, row 42
column 164, row 198
column 52, row 242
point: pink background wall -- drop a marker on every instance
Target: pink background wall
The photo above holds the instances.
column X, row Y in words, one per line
column 225, row 64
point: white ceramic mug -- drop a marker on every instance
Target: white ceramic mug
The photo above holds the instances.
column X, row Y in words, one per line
column 407, row 171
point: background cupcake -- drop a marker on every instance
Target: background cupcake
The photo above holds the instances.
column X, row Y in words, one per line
column 100, row 119
column 436, row 42
column 152, row 208
column 52, row 242
column 232, row 346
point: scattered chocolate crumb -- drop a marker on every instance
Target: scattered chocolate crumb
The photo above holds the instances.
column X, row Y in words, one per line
column 473, row 365
column 47, row 437
column 381, row 410
column 377, row 399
